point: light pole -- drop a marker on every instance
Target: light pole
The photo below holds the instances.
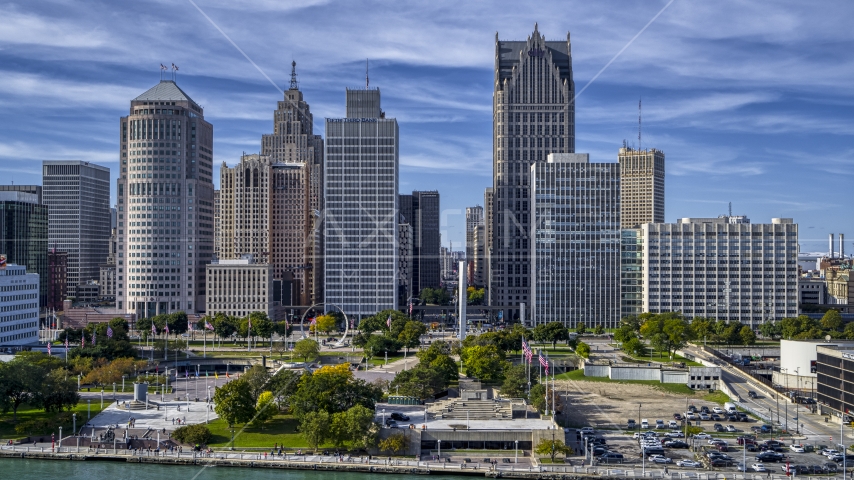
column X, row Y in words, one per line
column 123, row 383
column 88, row 409
column 114, row 390
column 786, row 405
column 439, row 442
column 78, row 381
column 102, row 398
column 60, row 440
column 516, row 460
column 232, row 439
column 797, row 420
column 383, row 417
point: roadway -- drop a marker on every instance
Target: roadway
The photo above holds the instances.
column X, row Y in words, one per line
column 776, row 407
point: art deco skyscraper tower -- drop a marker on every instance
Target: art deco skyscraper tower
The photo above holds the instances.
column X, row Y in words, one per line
column 533, row 116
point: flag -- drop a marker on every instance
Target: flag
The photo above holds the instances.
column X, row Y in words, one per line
column 187, row 373
column 162, row 67
column 216, row 375
column 208, row 325
column 109, row 332
column 410, row 309
column 66, row 345
column 544, row 362
column 153, row 329
column 197, row 374
column 174, row 67
column 166, row 329
column 388, row 321
column 227, row 375
column 189, row 327
column 48, row 349
column 82, row 342
column 527, row 350
column 313, row 321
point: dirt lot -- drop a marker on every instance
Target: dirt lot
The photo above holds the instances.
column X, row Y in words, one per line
column 609, row 405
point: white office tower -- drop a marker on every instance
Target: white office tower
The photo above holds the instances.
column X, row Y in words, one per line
column 360, row 218
column 19, row 306
column 724, row 268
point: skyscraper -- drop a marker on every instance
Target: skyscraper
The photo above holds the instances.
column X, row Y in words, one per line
column 269, row 204
column 642, row 186
column 23, row 234
column 421, row 211
column 575, row 229
column 165, row 204
column 533, row 116
column 361, row 215
column 77, row 195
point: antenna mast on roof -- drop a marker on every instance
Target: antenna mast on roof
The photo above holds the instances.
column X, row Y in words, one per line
column 294, row 82
column 639, row 125
column 730, row 209
column 367, row 80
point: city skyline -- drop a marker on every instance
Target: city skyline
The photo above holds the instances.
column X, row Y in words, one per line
column 747, row 111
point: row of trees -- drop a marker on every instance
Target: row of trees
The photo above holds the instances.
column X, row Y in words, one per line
column 37, row 380
column 435, row 371
column 93, row 342
column 377, row 335
column 330, row 404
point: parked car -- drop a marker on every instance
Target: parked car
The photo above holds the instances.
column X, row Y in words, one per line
column 505, row 460
column 751, row 447
column 797, row 448
column 720, row 462
column 702, row 435
column 745, row 440
column 659, row 459
column 630, row 424
column 399, row 416
column 689, row 463
column 675, row 434
column 715, row 417
column 731, row 428
column 761, row 428
column 752, row 394
column 704, row 409
column 705, row 416
column 677, row 416
column 758, row 467
column 692, row 409
column 827, row 452
column 691, row 416
column 718, row 427
column 829, row 467
column 676, row 444
column 587, row 430
column 611, row 457
column 718, row 410
column 673, row 424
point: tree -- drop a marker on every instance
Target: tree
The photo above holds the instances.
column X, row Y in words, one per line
column 624, row 334
column 57, row 392
column 283, row 384
column 382, row 344
column 583, row 350
column 19, row 382
column 356, row 426
column 551, row 332
column 580, row 328
column 484, row 362
column 193, row 434
column 434, row 296
column 234, row 403
column 635, row 347
column 410, row 336
column 265, row 409
column 326, row 323
column 552, row 448
column 474, row 295
column 256, row 379
column 332, row 389
column 773, row 330
column 420, row 382
column 394, row 443
column 599, row 329
column 225, row 326
column 516, row 382
column 748, row 337
column 315, row 427
column 437, row 357
column 306, row 349
column 832, row 320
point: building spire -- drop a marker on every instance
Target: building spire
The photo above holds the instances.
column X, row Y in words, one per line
column 294, row 82
column 367, row 80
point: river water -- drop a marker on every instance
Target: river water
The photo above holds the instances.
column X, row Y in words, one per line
column 26, row 469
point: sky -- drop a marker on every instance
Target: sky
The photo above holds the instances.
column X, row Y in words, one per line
column 750, row 101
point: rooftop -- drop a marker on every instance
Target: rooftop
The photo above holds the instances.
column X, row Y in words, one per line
column 165, row 90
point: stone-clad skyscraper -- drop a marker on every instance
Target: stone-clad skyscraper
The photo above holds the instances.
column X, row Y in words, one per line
column 533, row 116
column 165, row 203
column 642, row 186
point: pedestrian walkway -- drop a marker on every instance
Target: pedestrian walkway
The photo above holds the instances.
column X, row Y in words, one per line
column 168, row 415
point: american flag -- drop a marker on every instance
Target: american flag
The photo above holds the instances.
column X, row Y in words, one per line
column 410, row 308
column 527, row 350
column 93, row 339
column 109, row 332
column 313, row 321
column 153, row 329
column 208, row 325
column 388, row 322
column 48, row 349
column 544, row 362
column 82, row 341
column 166, row 329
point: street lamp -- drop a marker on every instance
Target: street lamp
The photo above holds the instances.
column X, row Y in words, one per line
column 79, row 375
column 60, row 440
column 439, row 442
column 88, row 409
column 383, row 417
column 516, row 460
column 102, row 397
column 797, row 420
column 232, row 439
column 123, row 383
column 114, row 390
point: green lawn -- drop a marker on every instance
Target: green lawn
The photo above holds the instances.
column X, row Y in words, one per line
column 676, row 388
column 282, row 429
column 655, row 357
column 717, row 397
column 27, row 414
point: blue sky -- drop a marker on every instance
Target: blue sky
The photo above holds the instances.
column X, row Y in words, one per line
column 750, row 101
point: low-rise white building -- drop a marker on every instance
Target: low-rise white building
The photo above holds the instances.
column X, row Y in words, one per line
column 241, row 286
column 19, row 305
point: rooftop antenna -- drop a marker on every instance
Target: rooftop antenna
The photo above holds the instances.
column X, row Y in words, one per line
column 730, row 209
column 294, row 82
column 367, row 80
column 639, row 124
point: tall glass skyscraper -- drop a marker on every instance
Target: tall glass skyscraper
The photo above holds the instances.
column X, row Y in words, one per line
column 165, row 204
column 361, row 200
column 533, row 116
column 23, row 234
column 575, row 229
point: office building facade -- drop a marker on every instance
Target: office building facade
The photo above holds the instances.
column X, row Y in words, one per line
column 57, row 284
column 23, row 234
column 107, row 276
column 19, row 306
column 641, row 186
column 533, row 116
column 426, row 240
column 361, row 215
column 724, row 268
column 165, row 204
column 77, row 195
column 575, row 248
column 238, row 287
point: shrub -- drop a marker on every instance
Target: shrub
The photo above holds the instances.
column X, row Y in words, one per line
column 193, row 434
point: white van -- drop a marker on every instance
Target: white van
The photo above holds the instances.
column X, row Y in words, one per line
column 730, row 407
column 644, row 424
